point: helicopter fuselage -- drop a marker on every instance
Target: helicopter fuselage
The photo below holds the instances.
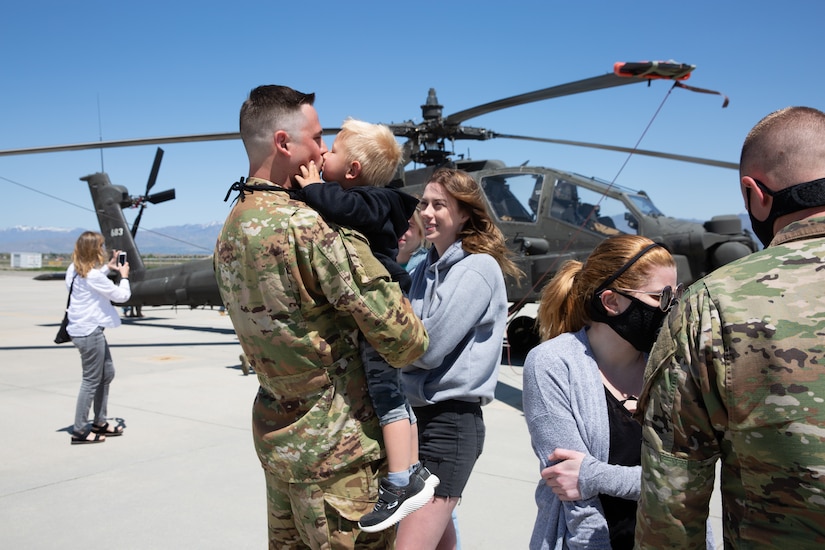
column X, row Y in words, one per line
column 549, row 216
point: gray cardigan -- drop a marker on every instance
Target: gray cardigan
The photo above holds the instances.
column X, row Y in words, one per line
column 565, row 407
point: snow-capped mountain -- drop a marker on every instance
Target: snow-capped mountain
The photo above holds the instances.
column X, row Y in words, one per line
column 181, row 239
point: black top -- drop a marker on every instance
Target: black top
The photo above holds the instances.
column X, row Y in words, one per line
column 625, row 450
column 382, row 214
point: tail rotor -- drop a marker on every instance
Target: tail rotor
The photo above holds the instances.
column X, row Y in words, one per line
column 155, row 198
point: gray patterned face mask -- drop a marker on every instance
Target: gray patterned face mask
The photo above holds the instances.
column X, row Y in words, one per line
column 787, row 201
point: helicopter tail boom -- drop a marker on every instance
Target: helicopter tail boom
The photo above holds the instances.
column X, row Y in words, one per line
column 108, row 200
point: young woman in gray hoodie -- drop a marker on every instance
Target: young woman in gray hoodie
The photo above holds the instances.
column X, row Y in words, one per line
column 459, row 293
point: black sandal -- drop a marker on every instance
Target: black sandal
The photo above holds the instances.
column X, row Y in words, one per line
column 85, row 437
column 105, row 430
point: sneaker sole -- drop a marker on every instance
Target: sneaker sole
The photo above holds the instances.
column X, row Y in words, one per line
column 432, row 481
column 404, row 509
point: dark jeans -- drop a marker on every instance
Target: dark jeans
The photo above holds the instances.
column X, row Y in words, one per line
column 384, row 385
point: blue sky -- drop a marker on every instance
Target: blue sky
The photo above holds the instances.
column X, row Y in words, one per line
column 167, row 68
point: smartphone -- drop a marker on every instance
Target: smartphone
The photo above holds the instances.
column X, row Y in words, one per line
column 121, row 258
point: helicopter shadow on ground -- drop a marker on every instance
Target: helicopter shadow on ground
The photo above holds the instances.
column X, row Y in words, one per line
column 123, row 346
column 150, row 345
column 509, row 395
column 149, row 321
column 505, row 392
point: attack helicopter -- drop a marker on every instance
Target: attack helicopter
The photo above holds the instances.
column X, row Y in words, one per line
column 547, row 215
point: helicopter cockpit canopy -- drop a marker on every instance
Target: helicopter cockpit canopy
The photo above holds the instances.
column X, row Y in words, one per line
column 517, row 197
column 643, row 203
column 513, row 197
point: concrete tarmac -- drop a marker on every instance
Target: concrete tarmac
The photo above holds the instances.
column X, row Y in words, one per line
column 184, row 474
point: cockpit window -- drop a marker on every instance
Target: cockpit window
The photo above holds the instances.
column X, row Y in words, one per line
column 513, row 197
column 591, row 210
column 644, row 204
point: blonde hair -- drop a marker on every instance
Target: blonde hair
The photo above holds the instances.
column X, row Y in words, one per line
column 479, row 234
column 372, row 145
column 88, row 252
column 564, row 300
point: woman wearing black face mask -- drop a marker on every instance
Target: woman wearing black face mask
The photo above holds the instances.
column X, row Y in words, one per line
column 598, row 319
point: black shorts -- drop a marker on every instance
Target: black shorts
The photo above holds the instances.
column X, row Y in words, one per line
column 450, row 440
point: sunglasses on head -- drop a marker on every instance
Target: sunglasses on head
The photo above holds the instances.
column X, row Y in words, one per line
column 668, row 297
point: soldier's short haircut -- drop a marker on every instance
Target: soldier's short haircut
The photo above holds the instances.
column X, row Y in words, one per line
column 783, row 143
column 270, row 108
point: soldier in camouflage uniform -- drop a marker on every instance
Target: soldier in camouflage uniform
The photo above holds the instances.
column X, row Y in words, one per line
column 298, row 292
column 738, row 371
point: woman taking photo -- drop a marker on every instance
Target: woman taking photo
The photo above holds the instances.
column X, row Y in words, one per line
column 460, row 295
column 599, row 321
column 90, row 311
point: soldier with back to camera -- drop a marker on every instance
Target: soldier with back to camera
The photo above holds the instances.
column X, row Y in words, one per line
column 738, row 372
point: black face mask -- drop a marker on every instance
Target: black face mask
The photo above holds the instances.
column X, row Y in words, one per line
column 639, row 324
column 787, row 201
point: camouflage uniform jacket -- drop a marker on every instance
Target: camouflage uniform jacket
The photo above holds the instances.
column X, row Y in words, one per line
column 298, row 292
column 738, row 375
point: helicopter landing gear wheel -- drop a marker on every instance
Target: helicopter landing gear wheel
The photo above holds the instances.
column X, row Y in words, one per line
column 522, row 335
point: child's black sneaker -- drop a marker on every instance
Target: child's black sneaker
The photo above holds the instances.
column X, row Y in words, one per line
column 395, row 503
column 430, row 479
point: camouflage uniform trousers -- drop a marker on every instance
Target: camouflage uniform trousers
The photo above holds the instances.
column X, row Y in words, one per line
column 324, row 515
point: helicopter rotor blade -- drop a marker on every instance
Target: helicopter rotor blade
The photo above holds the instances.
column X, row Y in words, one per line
column 153, row 175
column 644, row 152
column 430, row 135
column 163, row 196
column 137, row 220
column 632, row 73
column 122, row 143
column 157, row 197
column 135, row 142
column 590, row 84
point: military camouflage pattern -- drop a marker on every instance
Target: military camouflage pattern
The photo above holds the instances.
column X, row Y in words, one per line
column 738, row 375
column 329, row 513
column 298, row 292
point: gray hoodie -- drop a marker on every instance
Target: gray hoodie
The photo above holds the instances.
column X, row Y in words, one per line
column 462, row 300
